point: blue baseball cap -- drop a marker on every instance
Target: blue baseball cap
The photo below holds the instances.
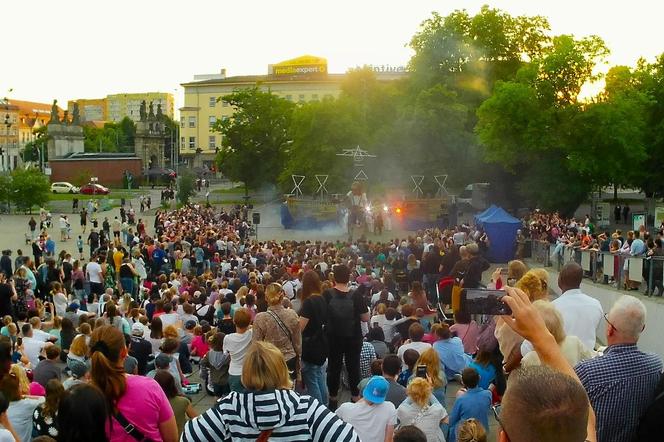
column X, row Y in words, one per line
column 376, row 390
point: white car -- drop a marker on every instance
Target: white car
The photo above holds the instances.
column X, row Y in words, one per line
column 63, row 187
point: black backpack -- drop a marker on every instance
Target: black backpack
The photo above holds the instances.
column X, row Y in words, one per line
column 650, row 427
column 341, row 318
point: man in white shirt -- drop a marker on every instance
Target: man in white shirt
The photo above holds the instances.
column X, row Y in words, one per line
column 94, row 275
column 38, row 333
column 415, row 333
column 291, row 287
column 581, row 313
column 32, row 347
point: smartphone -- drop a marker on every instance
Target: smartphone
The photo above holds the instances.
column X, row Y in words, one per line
column 484, row 302
column 421, row 371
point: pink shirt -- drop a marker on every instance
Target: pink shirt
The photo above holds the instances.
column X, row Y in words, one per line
column 145, row 405
column 200, row 345
column 468, row 333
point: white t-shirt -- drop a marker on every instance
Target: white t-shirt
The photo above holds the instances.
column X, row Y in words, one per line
column 419, row 347
column 369, row 421
column 32, row 347
column 291, row 288
column 93, row 270
column 236, row 345
column 60, row 301
column 376, row 297
column 6, row 435
column 20, row 416
column 169, row 319
column 41, row 335
column 582, row 316
column 427, row 420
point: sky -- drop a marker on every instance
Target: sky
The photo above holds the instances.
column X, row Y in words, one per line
column 91, row 48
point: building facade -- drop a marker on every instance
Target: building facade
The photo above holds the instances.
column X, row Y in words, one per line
column 8, row 136
column 300, row 80
column 117, row 106
column 90, row 109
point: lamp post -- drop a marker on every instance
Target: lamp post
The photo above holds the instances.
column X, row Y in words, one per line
column 8, row 124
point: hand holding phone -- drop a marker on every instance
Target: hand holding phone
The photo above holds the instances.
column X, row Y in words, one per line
column 484, row 302
column 421, row 371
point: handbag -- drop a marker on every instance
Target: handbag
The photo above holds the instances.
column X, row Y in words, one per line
column 456, row 297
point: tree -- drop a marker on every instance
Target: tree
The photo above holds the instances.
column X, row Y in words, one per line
column 256, row 139
column 33, row 149
column 319, row 131
column 186, row 182
column 29, row 187
column 112, row 137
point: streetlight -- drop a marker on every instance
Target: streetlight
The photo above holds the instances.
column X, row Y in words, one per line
column 8, row 124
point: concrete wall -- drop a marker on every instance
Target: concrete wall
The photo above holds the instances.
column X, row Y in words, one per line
column 651, row 338
column 109, row 171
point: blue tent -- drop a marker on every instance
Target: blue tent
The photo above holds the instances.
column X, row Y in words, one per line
column 501, row 228
column 485, row 213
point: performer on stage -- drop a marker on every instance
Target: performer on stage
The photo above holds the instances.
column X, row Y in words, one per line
column 357, row 203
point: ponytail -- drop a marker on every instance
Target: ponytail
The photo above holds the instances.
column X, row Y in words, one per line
column 107, row 373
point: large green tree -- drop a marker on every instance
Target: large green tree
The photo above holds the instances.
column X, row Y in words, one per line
column 256, row 139
column 29, row 188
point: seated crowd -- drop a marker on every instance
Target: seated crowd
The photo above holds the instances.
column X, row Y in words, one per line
column 279, row 331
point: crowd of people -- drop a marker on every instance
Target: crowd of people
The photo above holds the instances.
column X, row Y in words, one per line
column 279, row 331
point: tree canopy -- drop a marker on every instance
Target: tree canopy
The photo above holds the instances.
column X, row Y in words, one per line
column 488, row 97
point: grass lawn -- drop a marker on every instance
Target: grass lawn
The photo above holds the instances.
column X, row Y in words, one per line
column 233, row 190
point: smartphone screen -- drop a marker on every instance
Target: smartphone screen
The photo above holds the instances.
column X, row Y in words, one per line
column 484, row 302
column 421, row 371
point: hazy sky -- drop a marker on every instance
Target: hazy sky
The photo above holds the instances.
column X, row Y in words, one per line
column 90, row 48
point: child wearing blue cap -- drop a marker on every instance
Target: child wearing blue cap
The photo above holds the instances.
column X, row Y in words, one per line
column 372, row 416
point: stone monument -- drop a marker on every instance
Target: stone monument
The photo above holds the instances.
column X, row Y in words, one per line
column 150, row 138
column 64, row 137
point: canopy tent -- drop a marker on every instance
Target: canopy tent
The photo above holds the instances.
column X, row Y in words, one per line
column 501, row 228
column 485, row 213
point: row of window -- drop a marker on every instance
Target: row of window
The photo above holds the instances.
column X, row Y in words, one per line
column 213, row 102
column 192, row 121
column 212, row 142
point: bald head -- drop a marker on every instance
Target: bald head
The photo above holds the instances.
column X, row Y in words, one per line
column 544, row 405
column 570, row 277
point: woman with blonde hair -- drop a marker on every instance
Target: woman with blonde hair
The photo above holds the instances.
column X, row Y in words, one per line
column 571, row 347
column 139, row 407
column 239, row 416
column 423, row 410
column 535, row 284
column 78, row 349
column 471, row 430
column 281, row 327
column 430, row 359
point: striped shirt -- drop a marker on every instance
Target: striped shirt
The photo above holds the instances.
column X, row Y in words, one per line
column 620, row 385
column 242, row 417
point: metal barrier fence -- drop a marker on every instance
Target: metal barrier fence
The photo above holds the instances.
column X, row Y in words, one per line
column 624, row 272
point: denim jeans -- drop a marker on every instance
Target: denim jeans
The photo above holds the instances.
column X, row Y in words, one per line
column 313, row 377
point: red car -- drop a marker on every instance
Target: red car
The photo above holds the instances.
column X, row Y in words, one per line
column 94, row 189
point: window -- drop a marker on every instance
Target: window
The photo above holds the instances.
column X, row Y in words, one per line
column 301, row 98
column 192, row 121
column 213, row 101
column 314, row 97
column 224, row 103
column 182, row 141
column 213, row 142
column 212, row 120
column 289, row 97
column 224, row 118
column 192, row 142
column 181, row 121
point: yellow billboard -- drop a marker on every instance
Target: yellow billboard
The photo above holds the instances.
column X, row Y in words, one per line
column 305, row 65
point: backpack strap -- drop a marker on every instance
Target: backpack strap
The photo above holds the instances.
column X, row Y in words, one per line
column 129, row 428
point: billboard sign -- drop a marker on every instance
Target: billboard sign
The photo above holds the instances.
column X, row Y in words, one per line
column 301, row 66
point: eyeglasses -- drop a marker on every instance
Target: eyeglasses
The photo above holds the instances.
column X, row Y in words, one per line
column 606, row 318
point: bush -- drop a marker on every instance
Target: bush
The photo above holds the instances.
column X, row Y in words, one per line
column 186, row 183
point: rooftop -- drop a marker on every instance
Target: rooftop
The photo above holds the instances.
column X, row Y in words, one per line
column 250, row 79
column 98, row 156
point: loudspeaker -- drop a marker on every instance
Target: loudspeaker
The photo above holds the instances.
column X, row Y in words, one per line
column 256, row 218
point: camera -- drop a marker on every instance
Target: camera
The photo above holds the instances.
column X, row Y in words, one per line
column 484, row 302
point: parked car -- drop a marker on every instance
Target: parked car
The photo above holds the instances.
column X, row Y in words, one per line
column 64, row 187
column 94, row 189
